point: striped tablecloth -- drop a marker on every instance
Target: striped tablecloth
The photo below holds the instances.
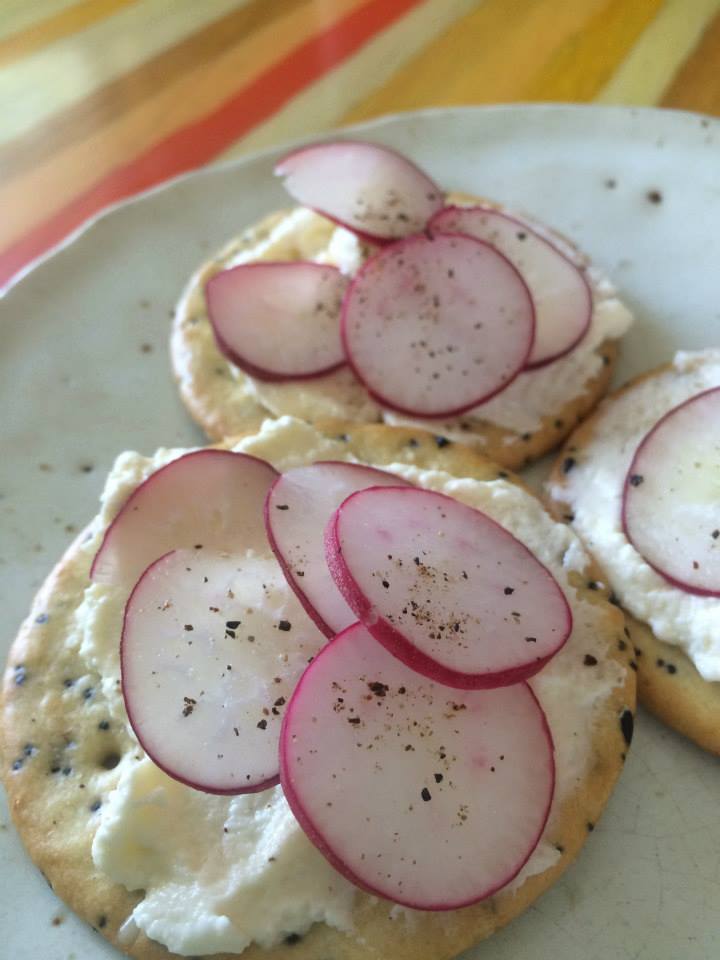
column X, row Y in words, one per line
column 102, row 98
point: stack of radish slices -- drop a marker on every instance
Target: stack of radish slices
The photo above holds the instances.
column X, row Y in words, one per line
column 410, row 747
column 451, row 305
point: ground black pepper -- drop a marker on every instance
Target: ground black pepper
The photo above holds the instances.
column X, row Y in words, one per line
column 627, row 725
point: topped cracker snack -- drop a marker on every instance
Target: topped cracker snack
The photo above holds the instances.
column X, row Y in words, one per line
column 314, row 694
column 383, row 299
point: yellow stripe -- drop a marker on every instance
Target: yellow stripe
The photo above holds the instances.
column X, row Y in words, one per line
column 487, row 57
column 61, row 25
column 664, row 46
column 585, row 62
column 18, row 15
column 46, row 82
column 322, row 105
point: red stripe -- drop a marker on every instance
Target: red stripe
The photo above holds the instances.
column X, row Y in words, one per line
column 198, row 142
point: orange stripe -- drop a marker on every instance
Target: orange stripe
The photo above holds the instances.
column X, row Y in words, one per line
column 118, row 98
column 38, row 194
column 696, row 85
column 199, row 142
column 63, row 24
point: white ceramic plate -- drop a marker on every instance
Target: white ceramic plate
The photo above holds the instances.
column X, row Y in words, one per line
column 84, row 374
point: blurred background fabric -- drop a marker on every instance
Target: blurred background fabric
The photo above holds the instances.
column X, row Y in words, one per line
column 100, row 99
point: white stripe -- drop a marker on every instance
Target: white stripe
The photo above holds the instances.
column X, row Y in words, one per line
column 648, row 71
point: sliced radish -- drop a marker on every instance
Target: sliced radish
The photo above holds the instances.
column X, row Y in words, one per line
column 671, row 498
column 560, row 291
column 278, row 321
column 429, row 796
column 208, row 499
column 297, row 510
column 446, row 589
column 372, row 190
column 436, row 325
column 212, row 647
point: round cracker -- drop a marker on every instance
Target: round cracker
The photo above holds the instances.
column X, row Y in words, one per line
column 60, row 734
column 218, row 399
column 668, row 682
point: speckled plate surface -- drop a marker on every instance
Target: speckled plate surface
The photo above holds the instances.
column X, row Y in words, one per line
column 84, row 374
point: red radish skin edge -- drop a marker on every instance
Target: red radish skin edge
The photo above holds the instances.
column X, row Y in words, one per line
column 287, row 572
column 401, row 648
column 128, row 503
column 202, row 788
column 539, row 364
column 445, row 413
column 260, row 373
column 696, row 591
column 284, row 566
column 370, row 238
column 314, row 833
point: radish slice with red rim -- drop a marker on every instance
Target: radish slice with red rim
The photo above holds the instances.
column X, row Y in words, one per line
column 431, row 797
column 212, row 647
column 559, row 288
column 372, row 190
column 436, row 325
column 671, row 497
column 445, row 588
column 297, row 510
column 208, row 499
column 278, row 321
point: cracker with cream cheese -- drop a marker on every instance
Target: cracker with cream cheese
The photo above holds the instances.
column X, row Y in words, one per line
column 527, row 419
column 66, row 745
column 666, row 625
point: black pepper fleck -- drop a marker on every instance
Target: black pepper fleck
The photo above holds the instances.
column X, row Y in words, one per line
column 284, row 625
column 636, row 479
column 442, row 442
column 627, row 725
column 425, row 794
column 262, row 725
column 568, row 464
column 589, row 660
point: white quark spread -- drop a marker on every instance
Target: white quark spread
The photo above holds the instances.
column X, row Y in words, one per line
column 520, row 407
column 220, row 873
column 593, row 489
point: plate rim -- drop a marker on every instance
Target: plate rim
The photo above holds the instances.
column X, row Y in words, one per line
column 663, row 114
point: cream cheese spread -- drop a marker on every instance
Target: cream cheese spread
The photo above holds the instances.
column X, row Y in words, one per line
column 220, row 873
column 593, row 490
column 520, row 407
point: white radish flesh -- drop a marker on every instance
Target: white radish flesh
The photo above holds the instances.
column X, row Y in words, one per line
column 560, row 291
column 445, row 588
column 278, row 321
column 372, row 190
column 208, row 499
column 298, row 508
column 211, row 650
column 436, row 325
column 431, row 797
column 671, row 498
